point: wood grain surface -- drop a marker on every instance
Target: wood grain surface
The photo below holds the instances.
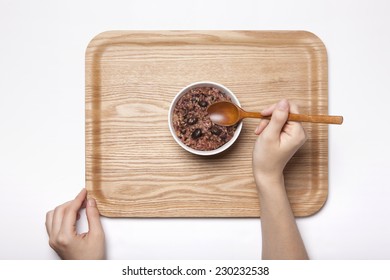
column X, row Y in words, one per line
column 134, row 168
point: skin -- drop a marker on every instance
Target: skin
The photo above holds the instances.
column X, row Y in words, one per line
column 63, row 237
column 277, row 142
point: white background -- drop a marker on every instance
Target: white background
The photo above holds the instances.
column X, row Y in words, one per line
column 42, row 47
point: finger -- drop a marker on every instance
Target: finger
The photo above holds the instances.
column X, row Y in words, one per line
column 49, row 222
column 268, row 111
column 70, row 216
column 82, row 207
column 58, row 215
column 262, row 125
column 278, row 119
column 93, row 217
column 294, row 108
column 294, row 127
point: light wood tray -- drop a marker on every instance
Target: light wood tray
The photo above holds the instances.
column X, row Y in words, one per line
column 134, row 168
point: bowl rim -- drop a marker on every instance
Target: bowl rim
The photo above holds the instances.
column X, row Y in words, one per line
column 173, row 104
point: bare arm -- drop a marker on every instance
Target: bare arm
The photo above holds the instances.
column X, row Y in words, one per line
column 277, row 142
column 281, row 237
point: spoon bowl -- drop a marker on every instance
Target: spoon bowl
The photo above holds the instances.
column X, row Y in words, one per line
column 226, row 114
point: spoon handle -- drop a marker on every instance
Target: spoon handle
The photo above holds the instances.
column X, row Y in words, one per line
column 302, row 118
column 316, row 118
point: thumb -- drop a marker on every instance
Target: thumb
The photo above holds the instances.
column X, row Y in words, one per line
column 93, row 217
column 278, row 118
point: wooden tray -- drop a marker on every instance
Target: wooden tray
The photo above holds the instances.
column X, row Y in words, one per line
column 134, row 168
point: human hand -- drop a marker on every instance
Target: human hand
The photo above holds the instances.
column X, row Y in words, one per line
column 278, row 141
column 63, row 237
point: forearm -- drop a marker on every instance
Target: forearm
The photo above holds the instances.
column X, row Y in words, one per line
column 280, row 235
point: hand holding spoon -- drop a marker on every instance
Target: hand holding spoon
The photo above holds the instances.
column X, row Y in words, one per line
column 226, row 114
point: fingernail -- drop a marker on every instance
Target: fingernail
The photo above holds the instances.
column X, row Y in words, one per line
column 283, row 105
column 91, row 202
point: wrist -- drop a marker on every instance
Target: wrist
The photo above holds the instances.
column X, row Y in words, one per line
column 269, row 182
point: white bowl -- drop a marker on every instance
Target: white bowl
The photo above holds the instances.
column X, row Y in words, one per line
column 172, row 107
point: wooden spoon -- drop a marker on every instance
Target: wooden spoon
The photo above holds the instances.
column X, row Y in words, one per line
column 226, row 113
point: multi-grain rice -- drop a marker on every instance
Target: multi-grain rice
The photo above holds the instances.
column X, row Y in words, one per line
column 192, row 123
